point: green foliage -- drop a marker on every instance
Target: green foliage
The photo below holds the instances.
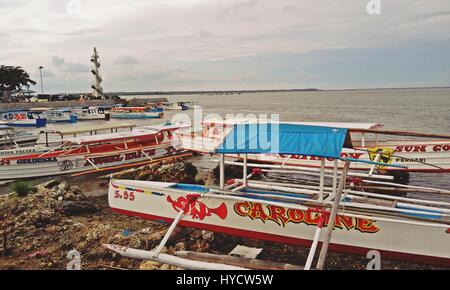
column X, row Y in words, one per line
column 13, row 78
column 22, row 188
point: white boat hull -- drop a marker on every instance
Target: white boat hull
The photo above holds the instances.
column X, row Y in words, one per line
column 49, row 165
column 260, row 220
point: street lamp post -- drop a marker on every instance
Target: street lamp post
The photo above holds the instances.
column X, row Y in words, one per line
column 42, row 85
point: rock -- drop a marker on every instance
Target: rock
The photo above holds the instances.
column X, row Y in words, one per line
column 208, row 236
column 60, row 198
column 149, row 265
column 49, row 184
column 180, row 247
column 165, row 267
column 64, row 185
column 75, row 189
column 70, row 208
column 69, row 196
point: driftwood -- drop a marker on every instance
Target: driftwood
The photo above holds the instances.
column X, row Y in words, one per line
column 237, row 261
column 401, row 133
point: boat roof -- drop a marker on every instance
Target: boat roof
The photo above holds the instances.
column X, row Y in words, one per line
column 85, row 129
column 84, row 140
column 16, row 111
column 161, row 127
column 352, row 126
column 40, row 109
column 276, row 138
column 130, row 108
column 248, row 120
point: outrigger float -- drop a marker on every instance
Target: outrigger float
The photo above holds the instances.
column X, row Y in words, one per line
column 343, row 219
column 87, row 153
column 420, row 155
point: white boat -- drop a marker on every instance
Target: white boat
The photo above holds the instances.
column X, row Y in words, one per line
column 192, row 105
column 418, row 155
column 50, row 139
column 21, row 118
column 59, row 116
column 175, row 106
column 356, row 221
column 135, row 113
column 91, row 113
column 86, row 153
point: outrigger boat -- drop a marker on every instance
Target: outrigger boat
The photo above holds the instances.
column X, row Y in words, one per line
column 96, row 152
column 345, row 220
column 10, row 137
column 192, row 105
column 21, row 118
column 91, row 113
column 135, row 113
column 58, row 116
column 419, row 155
column 175, row 106
column 155, row 107
column 49, row 139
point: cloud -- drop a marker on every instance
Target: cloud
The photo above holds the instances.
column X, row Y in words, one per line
column 126, row 60
column 69, row 67
column 233, row 43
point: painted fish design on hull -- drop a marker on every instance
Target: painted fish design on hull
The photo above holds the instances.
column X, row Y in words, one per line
column 197, row 209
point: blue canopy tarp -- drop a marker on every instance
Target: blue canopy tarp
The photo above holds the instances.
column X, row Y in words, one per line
column 278, row 138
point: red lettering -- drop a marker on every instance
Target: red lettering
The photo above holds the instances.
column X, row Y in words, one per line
column 242, row 208
column 366, row 226
column 296, row 215
column 346, row 221
column 420, row 148
column 399, row 149
column 277, row 214
column 258, row 212
column 312, row 217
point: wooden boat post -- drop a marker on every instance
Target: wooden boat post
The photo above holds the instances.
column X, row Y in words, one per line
column 330, row 226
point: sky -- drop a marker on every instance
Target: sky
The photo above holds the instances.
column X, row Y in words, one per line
column 161, row 45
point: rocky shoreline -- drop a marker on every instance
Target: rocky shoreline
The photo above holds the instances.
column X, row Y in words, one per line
column 41, row 228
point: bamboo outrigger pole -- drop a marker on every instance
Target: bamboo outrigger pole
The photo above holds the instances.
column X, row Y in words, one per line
column 401, row 133
column 329, row 230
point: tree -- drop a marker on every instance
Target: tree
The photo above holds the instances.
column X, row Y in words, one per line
column 14, row 78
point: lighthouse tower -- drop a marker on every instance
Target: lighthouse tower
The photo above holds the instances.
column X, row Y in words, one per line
column 96, row 84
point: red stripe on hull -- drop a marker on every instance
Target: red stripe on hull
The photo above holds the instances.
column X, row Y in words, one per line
column 420, row 259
